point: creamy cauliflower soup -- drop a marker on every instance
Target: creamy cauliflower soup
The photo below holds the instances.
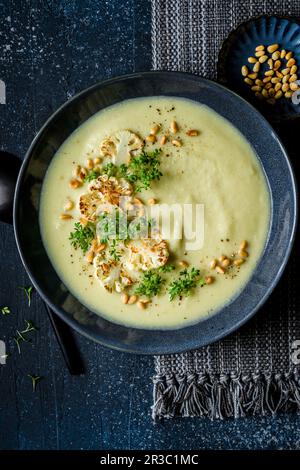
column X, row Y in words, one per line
column 101, row 222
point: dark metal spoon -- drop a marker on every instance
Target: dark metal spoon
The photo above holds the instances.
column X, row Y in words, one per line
column 10, row 166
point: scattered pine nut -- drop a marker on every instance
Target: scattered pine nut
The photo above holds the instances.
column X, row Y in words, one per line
column 226, row 263
column 276, row 55
column 125, row 298
column 100, row 247
column 270, row 63
column 137, row 201
column 272, row 48
column 213, row 264
column 282, row 54
column 285, row 71
column 97, row 160
column 256, row 67
column 271, row 92
column 256, row 88
column 248, row 81
column 244, row 71
column 141, row 305
column 253, row 76
column 69, row 205
column 174, row 127
column 260, row 48
column 155, row 129
column 66, row 216
column 259, row 53
column 209, row 279
column 89, row 164
column 132, row 299
column 252, row 60
column 275, row 80
column 192, row 133
column 243, row 253
column 265, row 93
column 183, row 264
column 163, row 140
column 269, row 73
column 278, row 94
column 288, row 55
column 238, row 262
column 288, row 94
column 294, row 69
column 294, row 86
column 278, row 86
column 151, row 201
column 222, row 257
column 285, row 87
column 259, row 82
column 151, row 138
column 74, row 183
column 293, row 78
column 268, row 86
column 243, row 244
column 277, row 64
column 176, row 142
column 279, row 74
column 220, row 270
column 267, row 79
column 286, row 78
column 83, row 222
column 290, row 62
column 90, row 256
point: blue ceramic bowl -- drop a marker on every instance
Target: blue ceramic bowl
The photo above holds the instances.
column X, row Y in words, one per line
column 241, row 44
column 272, row 157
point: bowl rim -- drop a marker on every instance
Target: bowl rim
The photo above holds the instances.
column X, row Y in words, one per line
column 67, row 318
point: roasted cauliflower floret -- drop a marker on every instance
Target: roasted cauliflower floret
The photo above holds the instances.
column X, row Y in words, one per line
column 103, row 190
column 146, row 253
column 111, row 274
column 121, row 146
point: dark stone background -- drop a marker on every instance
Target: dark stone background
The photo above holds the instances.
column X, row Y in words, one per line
column 49, row 50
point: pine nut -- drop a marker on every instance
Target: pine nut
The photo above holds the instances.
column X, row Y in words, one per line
column 151, row 138
column 243, row 244
column 66, row 216
column 69, row 205
column 276, row 55
column 253, row 76
column 279, row 74
column 155, row 129
column 294, row 69
column 132, row 299
column 288, row 55
column 238, row 262
column 263, row 59
column 176, row 142
column 293, row 78
column 270, row 63
column 222, row 257
column 285, row 87
column 260, row 48
column 267, row 79
column 271, row 92
column 256, row 88
column 272, row 48
column 244, row 71
column 226, row 263
column 125, row 298
column 293, row 86
column 100, row 247
column 268, row 86
column 90, row 256
column 243, row 254
column 77, row 170
column 286, row 78
column 89, row 164
column 248, row 81
column 82, row 174
column 213, row 264
column 192, row 133
column 97, row 160
column 265, row 93
column 83, row 222
column 137, row 201
column 285, row 71
column 183, row 264
column 269, row 73
column 256, row 67
column 282, row 54
column 277, row 87
column 151, row 201
column 259, row 82
column 141, row 305
column 290, row 62
column 252, row 60
column 259, row 53
column 220, row 270
column 174, row 127
column 277, row 64
column 278, row 95
column 275, row 80
column 74, row 184
column 209, row 279
column 163, row 140
column 288, row 94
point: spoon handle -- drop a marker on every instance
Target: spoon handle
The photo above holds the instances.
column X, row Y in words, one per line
column 67, row 343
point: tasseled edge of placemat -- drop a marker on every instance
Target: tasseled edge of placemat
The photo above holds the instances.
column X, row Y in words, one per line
column 225, row 395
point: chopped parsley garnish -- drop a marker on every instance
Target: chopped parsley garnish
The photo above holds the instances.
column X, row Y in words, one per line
column 150, row 285
column 82, row 237
column 185, row 283
column 92, row 175
column 167, row 268
column 142, row 170
column 28, row 293
column 110, row 169
column 5, row 310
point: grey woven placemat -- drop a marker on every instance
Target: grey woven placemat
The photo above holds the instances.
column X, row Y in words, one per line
column 252, row 371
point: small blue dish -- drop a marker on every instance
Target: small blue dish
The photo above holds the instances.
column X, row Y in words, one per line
column 241, row 44
column 271, row 156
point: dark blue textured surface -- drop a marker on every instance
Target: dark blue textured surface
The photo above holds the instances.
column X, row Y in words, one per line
column 48, row 51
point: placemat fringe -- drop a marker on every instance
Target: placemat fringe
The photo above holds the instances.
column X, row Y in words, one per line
column 225, row 395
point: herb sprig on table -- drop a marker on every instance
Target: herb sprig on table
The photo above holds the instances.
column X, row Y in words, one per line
column 187, row 281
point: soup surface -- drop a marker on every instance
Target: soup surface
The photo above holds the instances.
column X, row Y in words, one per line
column 148, row 152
